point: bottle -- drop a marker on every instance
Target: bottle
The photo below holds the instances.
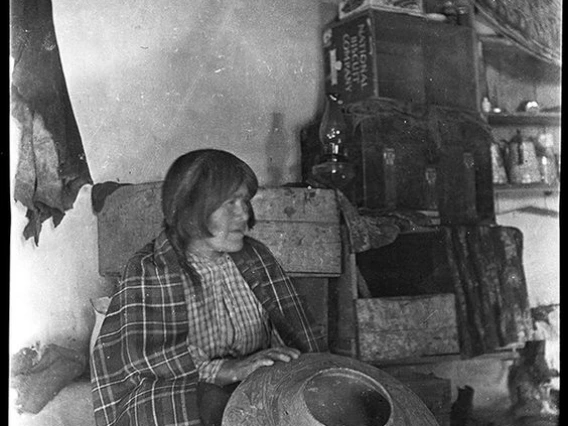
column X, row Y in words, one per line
column 486, row 105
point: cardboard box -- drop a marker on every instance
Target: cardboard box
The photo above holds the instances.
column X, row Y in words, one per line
column 350, row 7
column 360, row 64
column 394, row 328
column 375, row 53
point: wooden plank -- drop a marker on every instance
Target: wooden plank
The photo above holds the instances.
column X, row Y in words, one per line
column 314, row 294
column 525, row 119
column 404, row 327
column 342, row 316
column 535, row 189
column 300, row 226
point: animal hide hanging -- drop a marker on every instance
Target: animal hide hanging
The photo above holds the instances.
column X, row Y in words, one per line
column 492, row 303
column 51, row 166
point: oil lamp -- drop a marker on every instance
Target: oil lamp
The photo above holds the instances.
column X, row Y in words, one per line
column 333, row 169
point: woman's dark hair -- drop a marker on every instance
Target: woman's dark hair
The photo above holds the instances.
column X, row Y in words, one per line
column 196, row 185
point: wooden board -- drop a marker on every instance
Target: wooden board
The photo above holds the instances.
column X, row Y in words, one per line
column 405, row 327
column 299, row 225
column 314, row 294
column 342, row 322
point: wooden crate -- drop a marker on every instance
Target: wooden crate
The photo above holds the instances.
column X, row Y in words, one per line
column 394, row 328
column 299, row 225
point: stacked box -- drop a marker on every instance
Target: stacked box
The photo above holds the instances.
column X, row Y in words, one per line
column 375, row 53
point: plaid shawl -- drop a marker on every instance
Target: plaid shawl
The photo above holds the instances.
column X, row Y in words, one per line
column 143, row 373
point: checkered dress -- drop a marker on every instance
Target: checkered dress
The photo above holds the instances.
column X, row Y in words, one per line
column 226, row 320
column 143, row 368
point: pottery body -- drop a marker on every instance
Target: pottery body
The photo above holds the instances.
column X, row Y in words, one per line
column 324, row 390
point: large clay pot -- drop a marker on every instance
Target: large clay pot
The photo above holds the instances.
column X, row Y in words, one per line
column 324, row 390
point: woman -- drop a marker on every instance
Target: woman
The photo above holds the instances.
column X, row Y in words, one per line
column 199, row 308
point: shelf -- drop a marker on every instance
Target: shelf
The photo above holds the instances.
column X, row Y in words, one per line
column 528, row 188
column 525, row 119
column 499, row 354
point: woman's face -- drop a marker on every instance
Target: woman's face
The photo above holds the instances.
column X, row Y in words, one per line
column 228, row 224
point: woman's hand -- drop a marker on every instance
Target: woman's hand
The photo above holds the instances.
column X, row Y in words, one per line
column 236, row 370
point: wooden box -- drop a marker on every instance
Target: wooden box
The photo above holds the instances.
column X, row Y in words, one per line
column 377, row 53
column 300, row 226
column 394, row 328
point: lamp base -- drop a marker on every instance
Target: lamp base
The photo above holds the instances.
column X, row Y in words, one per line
column 334, row 173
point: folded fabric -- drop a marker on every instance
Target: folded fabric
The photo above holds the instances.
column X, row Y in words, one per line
column 101, row 191
column 37, row 381
column 364, row 233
